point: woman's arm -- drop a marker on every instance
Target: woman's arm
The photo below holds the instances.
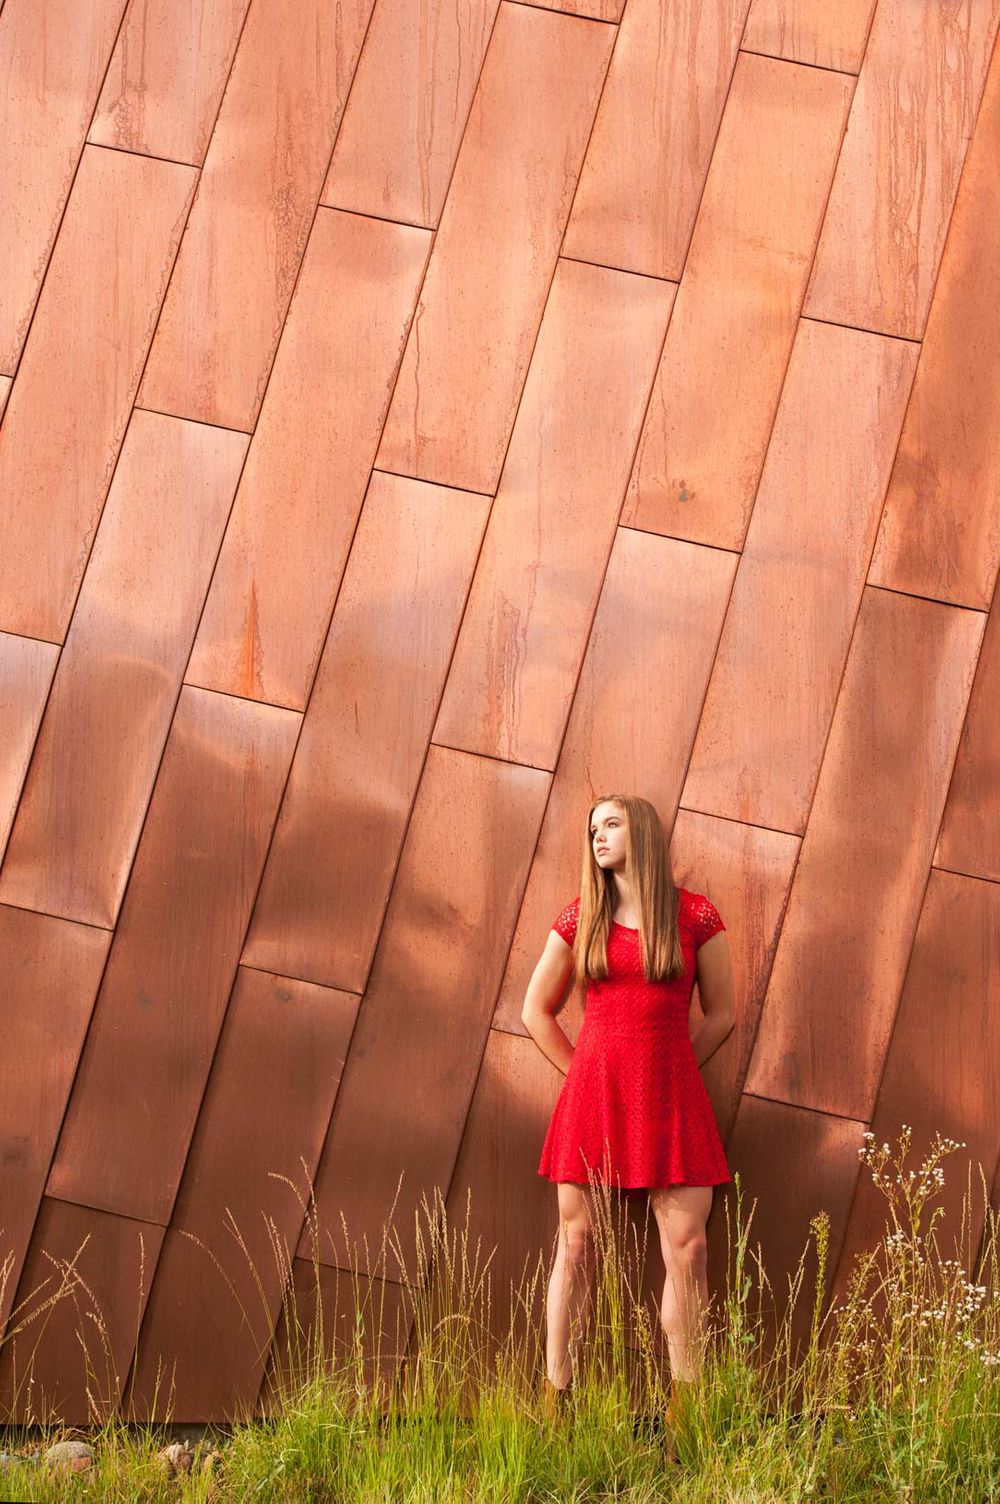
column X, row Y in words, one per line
column 543, row 997
column 716, row 995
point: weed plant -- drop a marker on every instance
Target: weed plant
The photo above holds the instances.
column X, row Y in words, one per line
column 893, row 1394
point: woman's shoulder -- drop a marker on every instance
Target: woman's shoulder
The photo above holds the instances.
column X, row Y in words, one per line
column 566, row 920
column 699, row 914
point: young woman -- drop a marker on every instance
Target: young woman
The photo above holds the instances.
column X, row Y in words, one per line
column 633, row 1109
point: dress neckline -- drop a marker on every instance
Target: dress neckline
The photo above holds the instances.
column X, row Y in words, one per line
column 633, row 927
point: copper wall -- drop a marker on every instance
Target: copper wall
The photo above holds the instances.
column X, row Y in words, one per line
column 419, row 418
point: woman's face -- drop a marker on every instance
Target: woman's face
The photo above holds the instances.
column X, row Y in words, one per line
column 608, row 825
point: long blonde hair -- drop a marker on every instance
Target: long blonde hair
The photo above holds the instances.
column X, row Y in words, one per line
column 654, row 893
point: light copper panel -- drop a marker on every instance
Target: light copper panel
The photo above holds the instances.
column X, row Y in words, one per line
column 55, row 53
column 942, row 1071
column 423, row 1024
column 167, row 75
column 734, row 321
column 913, row 113
column 853, row 908
column 157, row 1019
column 363, row 744
column 297, row 507
column 793, row 1163
column 940, row 532
column 748, row 873
column 5, row 385
column 810, row 31
column 969, row 840
column 495, row 249
column 70, row 405
column 775, row 681
column 261, row 1126
column 256, row 199
column 51, row 974
column 407, row 108
column 552, row 525
column 633, row 720
column 321, row 1314
column 653, row 136
column 26, row 669
column 120, row 669
column 100, row 1267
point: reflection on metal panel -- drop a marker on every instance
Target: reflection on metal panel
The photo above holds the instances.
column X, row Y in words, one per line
column 552, row 524
column 854, row 903
column 970, row 828
column 810, row 31
column 724, row 358
column 51, row 973
column 26, row 669
column 174, row 957
column 508, row 202
column 120, row 670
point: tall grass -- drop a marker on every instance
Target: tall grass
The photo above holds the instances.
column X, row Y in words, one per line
column 887, row 1391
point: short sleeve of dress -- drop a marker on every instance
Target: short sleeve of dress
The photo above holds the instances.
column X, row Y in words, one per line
column 565, row 924
column 705, row 919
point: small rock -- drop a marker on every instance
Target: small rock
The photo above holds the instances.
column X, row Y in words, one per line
column 76, row 1456
column 176, row 1458
column 212, row 1461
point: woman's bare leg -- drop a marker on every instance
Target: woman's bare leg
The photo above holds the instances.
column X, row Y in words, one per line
column 570, row 1284
column 681, row 1212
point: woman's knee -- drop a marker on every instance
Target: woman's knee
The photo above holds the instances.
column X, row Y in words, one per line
column 577, row 1240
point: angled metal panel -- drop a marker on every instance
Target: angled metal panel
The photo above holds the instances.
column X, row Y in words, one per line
column 51, row 973
column 359, row 758
column 267, row 611
column 214, row 1302
column 657, row 625
column 509, row 199
column 49, row 94
column 167, row 75
column 654, row 133
column 810, row 31
column 858, row 886
column 256, row 200
column 160, row 1009
column 424, row 1020
column 96, row 1269
column 895, row 186
column 734, row 320
column 552, row 525
column 969, row 840
column 69, row 407
column 120, row 669
column 940, row 532
column 774, row 685
column 26, row 669
column 407, row 109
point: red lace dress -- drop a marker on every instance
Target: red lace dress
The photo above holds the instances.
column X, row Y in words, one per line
column 633, row 1106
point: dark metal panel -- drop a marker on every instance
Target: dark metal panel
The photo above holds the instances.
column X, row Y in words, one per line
column 508, row 202
column 932, row 540
column 731, row 331
column 120, row 670
column 810, row 31
column 78, row 1351
column 51, row 974
column 657, row 626
column 860, row 878
column 899, row 168
column 49, row 94
column 654, row 133
column 167, row 76
column 256, row 200
column 775, row 680
column 26, row 668
column 364, row 740
column 969, row 840
column 308, row 466
column 407, row 108
column 424, row 1020
column 69, row 407
column 793, row 1163
column 174, row 956
column 552, row 525
column 942, row 1071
